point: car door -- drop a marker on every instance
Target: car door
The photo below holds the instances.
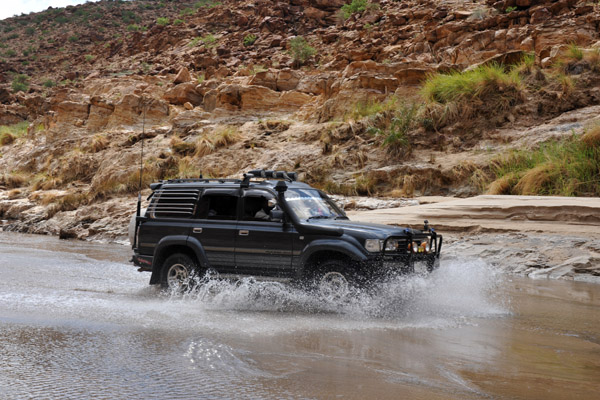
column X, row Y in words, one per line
column 215, row 227
column 262, row 247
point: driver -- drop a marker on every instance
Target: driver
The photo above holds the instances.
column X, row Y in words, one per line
column 265, row 209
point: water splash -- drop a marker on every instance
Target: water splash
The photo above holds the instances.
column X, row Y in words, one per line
column 457, row 291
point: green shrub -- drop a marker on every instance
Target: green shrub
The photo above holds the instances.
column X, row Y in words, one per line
column 20, row 83
column 300, row 49
column 162, row 21
column 510, row 9
column 574, row 52
column 178, row 22
column 187, row 11
column 30, row 30
column 133, row 28
column 206, row 3
column 89, row 58
column 249, row 39
column 467, row 85
column 49, row 83
column 12, row 36
column 10, row 53
column 73, row 38
column 356, row 6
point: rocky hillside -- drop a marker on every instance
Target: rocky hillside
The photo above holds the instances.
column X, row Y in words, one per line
column 388, row 98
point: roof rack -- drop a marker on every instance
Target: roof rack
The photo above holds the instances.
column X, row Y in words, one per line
column 255, row 173
column 262, row 173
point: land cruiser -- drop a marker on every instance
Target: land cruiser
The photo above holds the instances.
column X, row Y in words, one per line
column 269, row 226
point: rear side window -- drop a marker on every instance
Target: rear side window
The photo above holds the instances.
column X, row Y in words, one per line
column 218, row 206
column 173, row 203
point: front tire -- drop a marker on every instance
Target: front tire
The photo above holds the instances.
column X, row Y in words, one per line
column 332, row 281
column 177, row 272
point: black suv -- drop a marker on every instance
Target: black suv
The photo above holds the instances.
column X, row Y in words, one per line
column 268, row 226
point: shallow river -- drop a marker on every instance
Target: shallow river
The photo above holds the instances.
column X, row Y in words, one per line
column 78, row 321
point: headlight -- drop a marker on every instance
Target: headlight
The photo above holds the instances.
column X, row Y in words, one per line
column 391, row 245
column 373, row 245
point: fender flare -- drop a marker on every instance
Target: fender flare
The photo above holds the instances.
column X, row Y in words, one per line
column 333, row 245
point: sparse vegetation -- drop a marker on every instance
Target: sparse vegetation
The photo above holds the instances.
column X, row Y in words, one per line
column 568, row 167
column 455, row 95
column 20, row 83
column 162, row 21
column 249, row 39
column 10, row 133
column 89, row 58
column 510, row 9
column 300, row 50
column 356, row 6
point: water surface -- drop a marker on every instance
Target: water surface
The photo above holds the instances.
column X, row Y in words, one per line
column 78, row 321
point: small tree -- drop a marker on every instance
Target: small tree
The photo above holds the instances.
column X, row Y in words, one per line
column 301, row 50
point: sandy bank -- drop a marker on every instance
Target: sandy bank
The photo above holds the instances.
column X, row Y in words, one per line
column 541, row 237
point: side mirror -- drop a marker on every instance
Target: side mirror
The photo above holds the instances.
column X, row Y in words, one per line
column 276, row 216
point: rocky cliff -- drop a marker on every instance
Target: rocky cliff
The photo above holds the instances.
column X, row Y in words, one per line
column 329, row 88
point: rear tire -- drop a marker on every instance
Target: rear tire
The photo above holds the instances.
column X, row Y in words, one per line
column 177, row 272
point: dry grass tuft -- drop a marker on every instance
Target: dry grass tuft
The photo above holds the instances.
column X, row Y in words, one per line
column 99, row 143
column 502, row 185
column 592, row 137
column 14, row 194
column 225, row 136
column 15, row 179
column 536, row 180
column 182, row 147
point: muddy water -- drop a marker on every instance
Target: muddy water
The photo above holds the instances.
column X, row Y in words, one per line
column 77, row 321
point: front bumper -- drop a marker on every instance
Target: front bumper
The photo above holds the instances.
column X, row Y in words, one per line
column 409, row 252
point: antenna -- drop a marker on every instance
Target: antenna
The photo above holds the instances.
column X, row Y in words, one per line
column 139, row 203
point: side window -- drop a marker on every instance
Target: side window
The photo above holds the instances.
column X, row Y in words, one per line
column 217, row 206
column 258, row 206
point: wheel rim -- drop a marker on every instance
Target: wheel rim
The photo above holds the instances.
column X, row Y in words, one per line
column 177, row 275
column 333, row 285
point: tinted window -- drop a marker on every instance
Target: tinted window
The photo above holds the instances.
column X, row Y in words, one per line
column 217, row 206
column 257, row 206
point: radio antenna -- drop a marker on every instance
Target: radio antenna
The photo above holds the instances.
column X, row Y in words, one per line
column 139, row 202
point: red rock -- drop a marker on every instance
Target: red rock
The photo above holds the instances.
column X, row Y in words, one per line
column 183, row 93
column 183, row 76
column 540, row 15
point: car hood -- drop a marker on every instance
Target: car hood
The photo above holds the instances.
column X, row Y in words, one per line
column 365, row 230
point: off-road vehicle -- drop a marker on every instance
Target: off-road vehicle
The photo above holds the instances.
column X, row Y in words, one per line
column 269, row 226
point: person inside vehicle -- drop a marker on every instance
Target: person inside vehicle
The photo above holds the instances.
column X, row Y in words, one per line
column 265, row 209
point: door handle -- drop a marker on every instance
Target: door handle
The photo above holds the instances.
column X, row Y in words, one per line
column 244, row 233
column 197, row 230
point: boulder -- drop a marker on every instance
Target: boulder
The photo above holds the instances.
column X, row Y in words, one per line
column 69, row 111
column 183, row 93
column 266, row 78
column 287, row 79
column 183, row 76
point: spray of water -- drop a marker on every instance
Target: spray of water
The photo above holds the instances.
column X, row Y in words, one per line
column 458, row 291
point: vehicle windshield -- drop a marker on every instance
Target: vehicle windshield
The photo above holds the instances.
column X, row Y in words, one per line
column 310, row 204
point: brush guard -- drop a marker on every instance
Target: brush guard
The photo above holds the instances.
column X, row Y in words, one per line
column 410, row 250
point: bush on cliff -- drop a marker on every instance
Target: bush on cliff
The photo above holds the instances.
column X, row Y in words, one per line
column 458, row 95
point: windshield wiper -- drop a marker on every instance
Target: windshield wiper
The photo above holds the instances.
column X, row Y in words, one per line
column 341, row 217
column 318, row 217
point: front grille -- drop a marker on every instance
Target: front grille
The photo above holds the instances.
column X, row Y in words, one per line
column 173, row 203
